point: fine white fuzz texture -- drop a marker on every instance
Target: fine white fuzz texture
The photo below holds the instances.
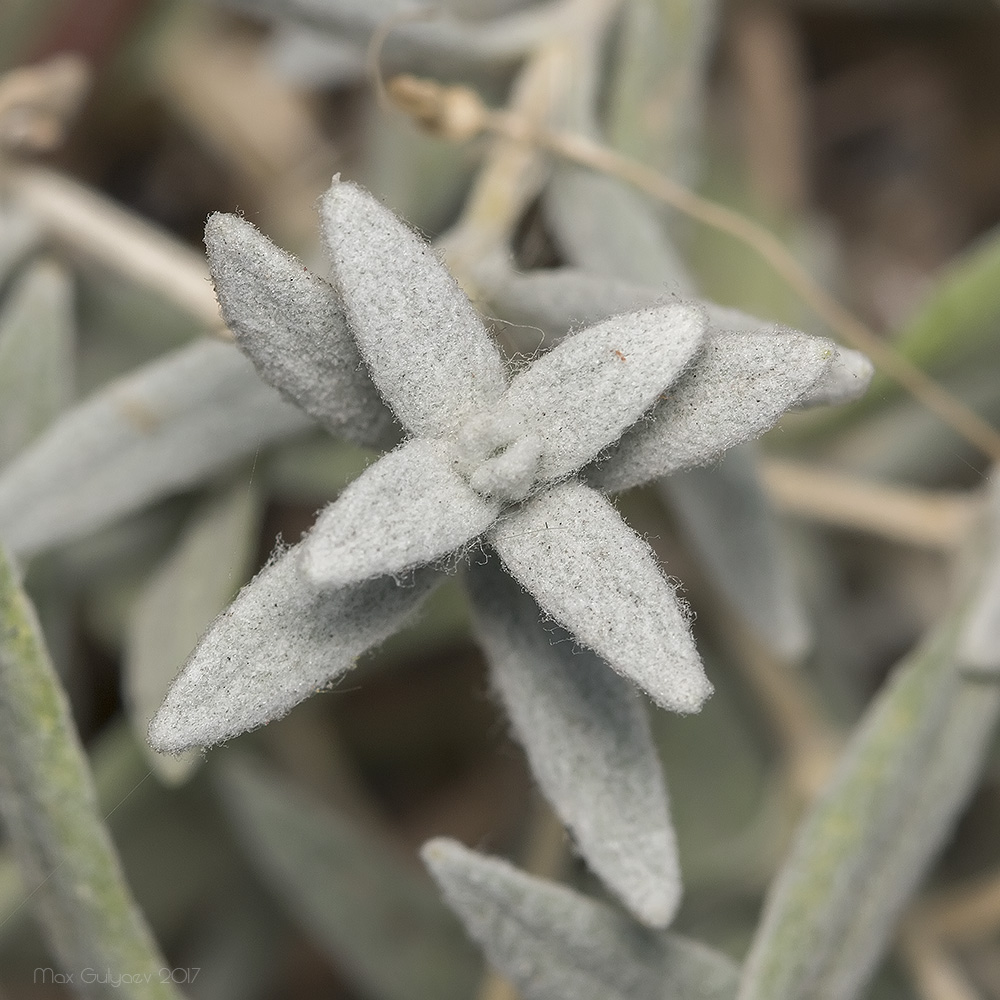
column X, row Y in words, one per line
column 555, row 944
column 426, row 348
column 280, row 641
column 736, row 390
column 845, row 380
column 291, row 324
column 593, row 575
column 587, row 739
column 583, row 394
column 408, row 509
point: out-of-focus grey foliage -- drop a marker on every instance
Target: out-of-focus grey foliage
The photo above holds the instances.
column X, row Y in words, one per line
column 554, row 944
column 352, row 893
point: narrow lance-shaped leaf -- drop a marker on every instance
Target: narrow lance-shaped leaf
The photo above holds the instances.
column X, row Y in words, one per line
column 159, row 430
column 583, row 394
column 554, row 944
column 727, row 517
column 370, row 911
column 37, row 340
column 425, row 346
column 291, row 324
column 211, row 561
column 735, row 391
column 593, row 575
column 862, row 848
column 408, row 509
column 280, row 641
column 50, row 815
column 588, row 741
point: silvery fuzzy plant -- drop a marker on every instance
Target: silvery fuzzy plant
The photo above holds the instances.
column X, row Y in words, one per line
column 504, row 474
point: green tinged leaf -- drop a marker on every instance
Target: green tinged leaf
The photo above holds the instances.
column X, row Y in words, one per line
column 656, row 87
column 37, row 334
column 50, row 813
column 863, row 847
column 554, row 944
column 206, row 569
column 378, row 919
column 959, row 315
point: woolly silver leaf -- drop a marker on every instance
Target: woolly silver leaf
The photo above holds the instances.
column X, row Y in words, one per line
column 593, row 575
column 291, row 325
column 554, row 944
column 424, row 344
column 588, row 741
column 736, row 390
column 847, row 378
column 162, row 428
column 280, row 641
column 583, row 394
column 408, row 509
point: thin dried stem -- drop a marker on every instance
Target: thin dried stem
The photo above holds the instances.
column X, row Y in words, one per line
column 928, row 519
column 96, row 228
column 439, row 112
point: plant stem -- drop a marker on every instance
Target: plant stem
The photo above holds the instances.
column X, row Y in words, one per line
column 98, row 229
column 929, row 519
column 49, row 807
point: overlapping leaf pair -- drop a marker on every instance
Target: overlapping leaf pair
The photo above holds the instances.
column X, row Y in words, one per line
column 509, row 465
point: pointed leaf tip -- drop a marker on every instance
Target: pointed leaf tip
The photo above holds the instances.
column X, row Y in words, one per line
column 427, row 350
column 596, row 577
column 555, row 944
column 280, row 641
column 581, row 396
column 291, row 324
column 587, row 739
column 737, row 388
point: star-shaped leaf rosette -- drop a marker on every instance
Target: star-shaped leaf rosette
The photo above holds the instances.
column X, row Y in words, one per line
column 570, row 603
